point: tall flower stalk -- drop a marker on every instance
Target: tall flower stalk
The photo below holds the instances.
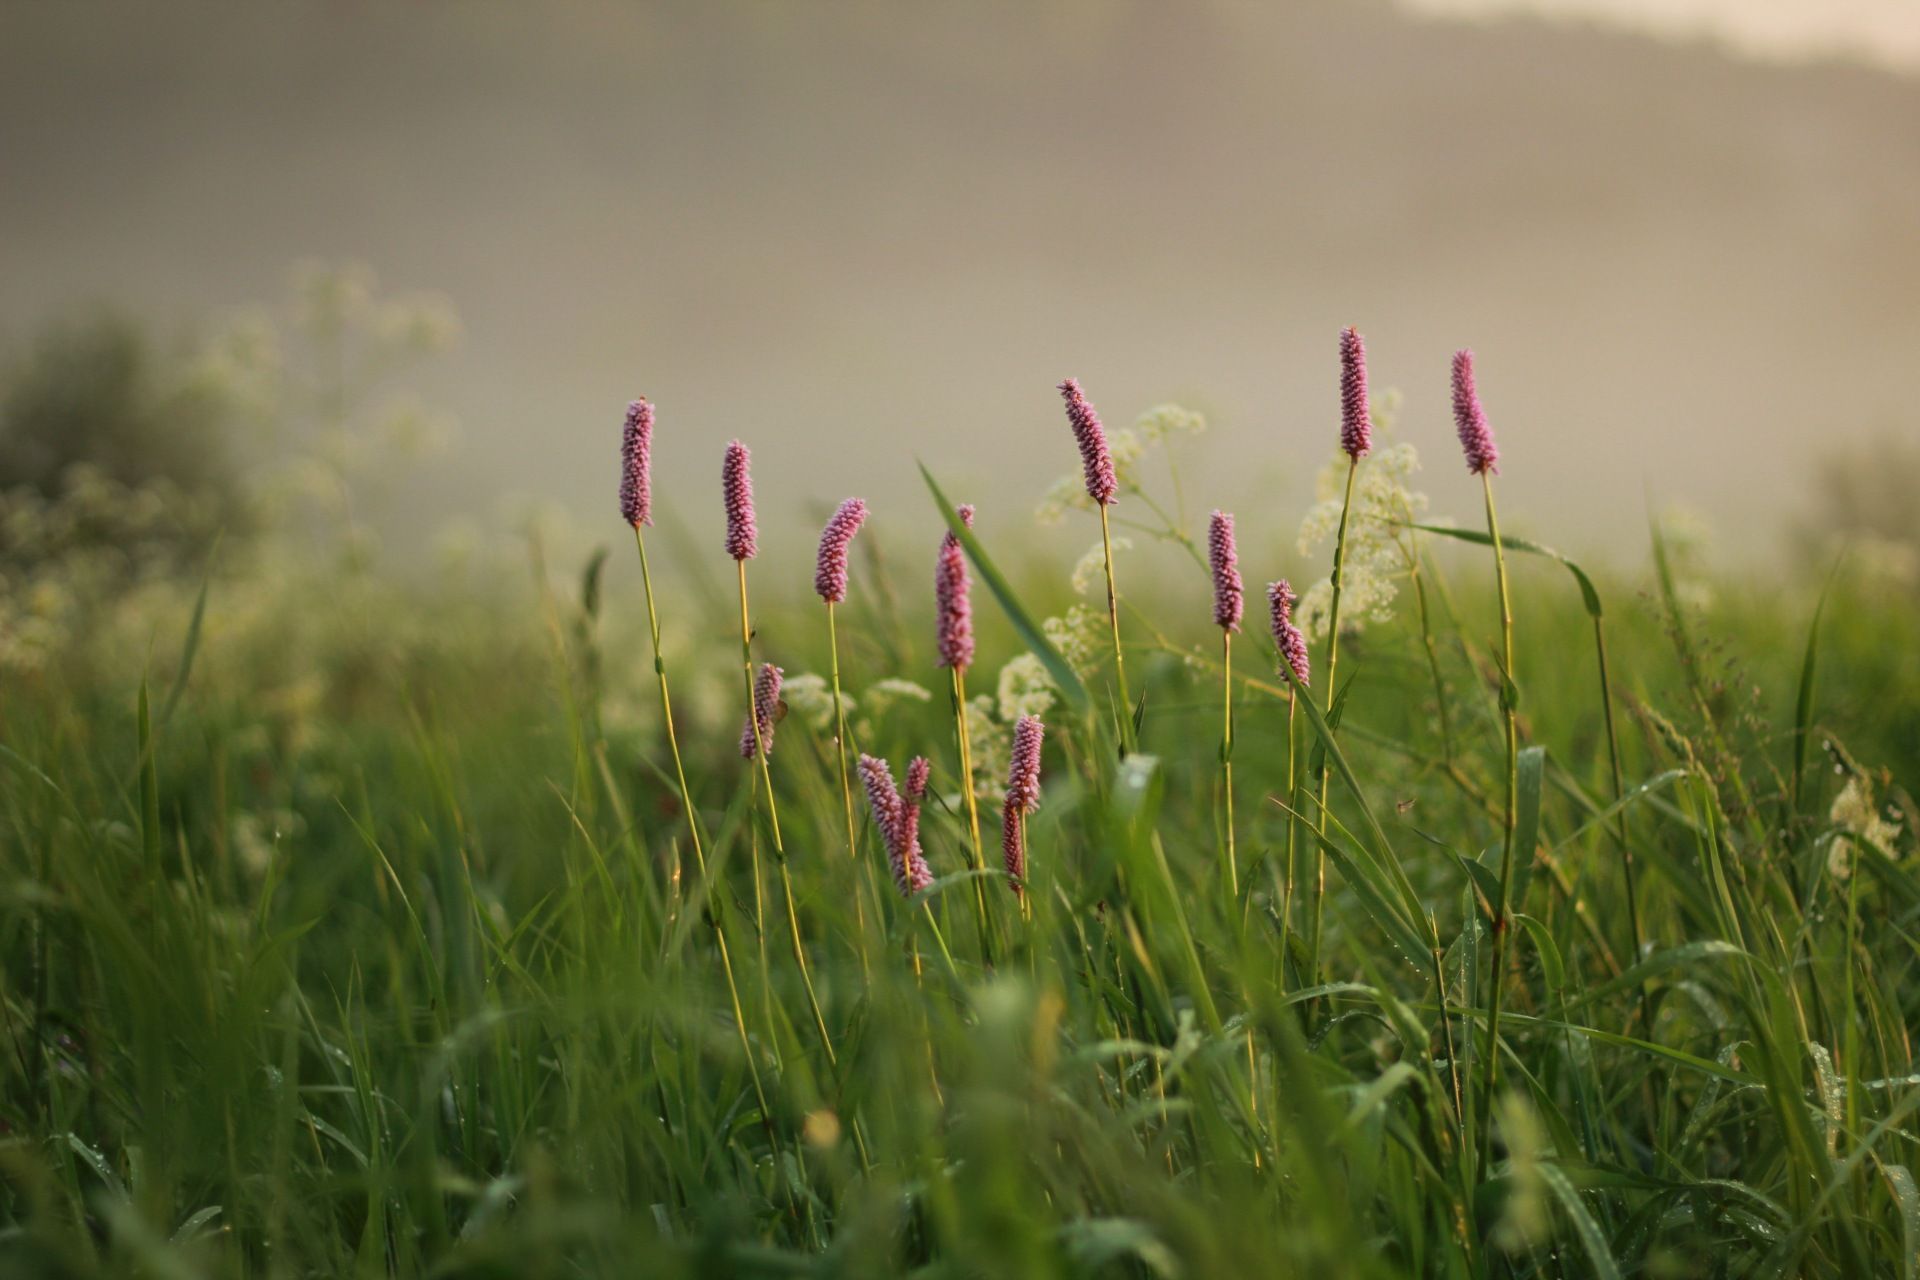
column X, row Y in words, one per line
column 1228, row 604
column 636, row 508
column 1356, row 441
column 1023, row 797
column 763, row 694
column 953, row 607
column 1292, row 648
column 1096, row 461
column 1483, row 457
column 830, row 581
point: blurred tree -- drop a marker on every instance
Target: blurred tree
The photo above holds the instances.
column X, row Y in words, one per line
column 1864, row 501
column 94, row 403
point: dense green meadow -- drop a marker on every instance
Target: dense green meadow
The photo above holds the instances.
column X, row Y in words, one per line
column 351, row 921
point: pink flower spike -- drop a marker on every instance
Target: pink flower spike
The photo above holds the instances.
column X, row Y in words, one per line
column 636, row 475
column 918, row 876
column 766, row 706
column 830, row 571
column 1095, row 458
column 965, row 512
column 953, row 605
column 1023, row 796
column 1356, row 422
column 1225, row 563
column 1476, row 437
column 1023, row 770
column 1286, row 637
column 736, row 485
column 898, row 820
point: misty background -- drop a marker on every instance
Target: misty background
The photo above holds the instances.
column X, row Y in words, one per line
column 1687, row 252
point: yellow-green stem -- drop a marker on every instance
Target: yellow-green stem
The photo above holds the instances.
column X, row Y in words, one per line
column 973, row 809
column 773, row 822
column 693, row 831
column 1333, row 663
column 840, row 750
column 666, row 703
column 1226, row 756
column 1113, row 623
column 1501, row 921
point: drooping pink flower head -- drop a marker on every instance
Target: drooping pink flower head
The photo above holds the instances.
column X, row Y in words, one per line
column 1228, row 603
column 636, row 462
column 1356, row 421
column 953, row 604
column 766, row 707
column 830, row 570
column 1476, row 437
column 1095, row 458
column 1023, row 797
column 897, row 818
column 1286, row 636
column 736, row 484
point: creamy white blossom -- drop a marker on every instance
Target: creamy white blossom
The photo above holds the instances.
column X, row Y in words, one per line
column 1025, row 688
column 1855, row 818
column 1378, row 552
column 810, row 697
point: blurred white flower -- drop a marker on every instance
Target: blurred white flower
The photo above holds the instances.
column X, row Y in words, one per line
column 1091, row 569
column 1025, row 688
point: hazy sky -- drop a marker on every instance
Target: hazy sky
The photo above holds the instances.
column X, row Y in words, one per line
column 860, row 233
column 1881, row 31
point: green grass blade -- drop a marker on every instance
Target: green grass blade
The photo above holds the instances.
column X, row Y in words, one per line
column 1592, row 1240
column 1589, row 594
column 1063, row 677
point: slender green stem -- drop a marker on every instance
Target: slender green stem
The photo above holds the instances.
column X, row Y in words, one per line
column 1293, row 828
column 666, row 703
column 975, row 849
column 773, row 821
column 1333, row 665
column 840, row 751
column 1113, row 622
column 716, row 914
column 1620, row 824
column 1501, row 921
column 1226, row 757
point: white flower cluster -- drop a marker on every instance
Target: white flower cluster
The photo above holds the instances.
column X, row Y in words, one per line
column 1855, row 817
column 810, row 697
column 1025, row 688
column 1077, row 635
column 1378, row 550
column 1090, row 570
